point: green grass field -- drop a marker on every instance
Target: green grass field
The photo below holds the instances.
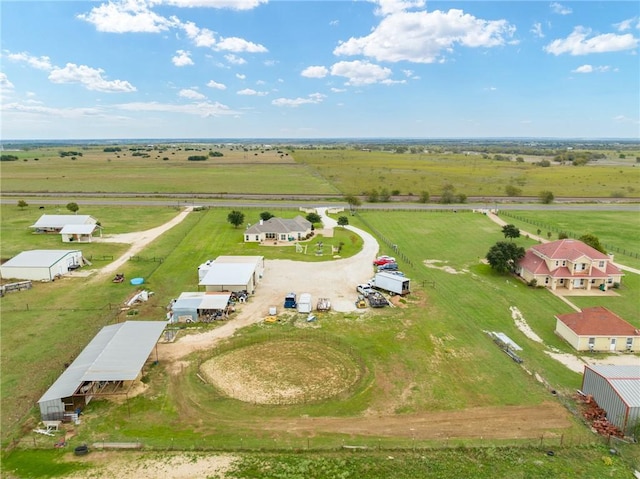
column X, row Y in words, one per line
column 165, row 169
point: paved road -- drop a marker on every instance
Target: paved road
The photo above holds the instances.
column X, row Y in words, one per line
column 61, row 199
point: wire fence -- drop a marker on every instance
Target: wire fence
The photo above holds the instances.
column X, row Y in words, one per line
column 554, row 229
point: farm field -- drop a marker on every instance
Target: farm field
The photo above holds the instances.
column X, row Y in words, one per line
column 321, row 171
column 429, row 357
column 357, row 172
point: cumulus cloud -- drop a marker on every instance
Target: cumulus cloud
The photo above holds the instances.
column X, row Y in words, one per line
column 126, row 16
column 236, row 45
column 216, row 85
column 591, row 69
column 251, row 92
column 234, row 59
column 360, row 72
column 315, row 72
column 90, row 78
column 182, row 58
column 240, row 76
column 560, row 9
column 201, row 37
column 6, row 87
column 423, row 37
column 191, row 94
column 296, row 102
column 387, row 7
column 578, row 43
column 628, row 24
column 40, row 63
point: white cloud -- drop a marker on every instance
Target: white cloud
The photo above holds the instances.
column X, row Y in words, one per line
column 240, row 76
column 40, row 63
column 191, row 94
column 628, row 24
column 591, row 69
column 423, row 37
column 216, row 85
column 252, row 92
column 182, row 58
column 90, row 78
column 560, row 9
column 536, row 29
column 204, row 109
column 334, row 23
column 67, row 113
column 387, row 7
column 360, row 73
column 123, row 16
column 577, row 43
column 201, row 37
column 235, row 44
column 315, row 72
column 5, row 85
column 338, row 90
column 314, row 98
column 230, row 4
column 234, row 59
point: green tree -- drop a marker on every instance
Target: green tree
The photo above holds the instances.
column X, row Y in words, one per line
column 73, row 207
column 562, row 235
column 546, row 197
column 236, row 218
column 313, row 218
column 22, row 204
column 512, row 190
column 385, row 196
column 510, row 231
column 593, row 241
column 504, row 256
column 373, row 196
column 343, row 221
column 448, row 195
column 352, row 201
column 265, row 216
column 424, row 197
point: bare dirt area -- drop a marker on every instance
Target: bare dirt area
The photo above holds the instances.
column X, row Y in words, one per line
column 112, row 465
column 510, row 422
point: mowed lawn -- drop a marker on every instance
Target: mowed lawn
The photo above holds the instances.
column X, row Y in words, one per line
column 358, row 172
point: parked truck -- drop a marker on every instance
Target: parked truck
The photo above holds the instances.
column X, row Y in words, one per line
column 304, row 303
column 290, row 301
column 392, row 283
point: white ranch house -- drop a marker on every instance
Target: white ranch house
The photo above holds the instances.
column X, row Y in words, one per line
column 278, row 229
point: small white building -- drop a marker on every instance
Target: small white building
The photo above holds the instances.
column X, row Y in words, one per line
column 73, row 228
column 234, row 273
column 191, row 307
column 41, row 264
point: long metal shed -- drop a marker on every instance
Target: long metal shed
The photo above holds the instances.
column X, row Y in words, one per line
column 116, row 354
column 41, row 264
column 616, row 389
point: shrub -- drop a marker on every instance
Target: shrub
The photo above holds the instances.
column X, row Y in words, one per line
column 197, row 158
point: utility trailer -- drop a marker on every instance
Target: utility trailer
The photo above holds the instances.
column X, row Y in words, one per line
column 376, row 300
column 304, row 303
column 323, row 304
column 392, row 283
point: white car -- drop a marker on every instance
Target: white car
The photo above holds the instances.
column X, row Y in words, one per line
column 364, row 289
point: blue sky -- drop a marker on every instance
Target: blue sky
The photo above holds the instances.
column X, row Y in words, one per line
column 319, row 69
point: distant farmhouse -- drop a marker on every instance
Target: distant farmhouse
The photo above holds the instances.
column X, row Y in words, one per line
column 72, row 228
column 569, row 264
column 598, row 329
column 278, row 229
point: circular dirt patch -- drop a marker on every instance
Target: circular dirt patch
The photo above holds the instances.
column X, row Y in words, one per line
column 283, row 372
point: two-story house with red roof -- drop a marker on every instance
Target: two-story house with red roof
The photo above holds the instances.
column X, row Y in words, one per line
column 569, row 264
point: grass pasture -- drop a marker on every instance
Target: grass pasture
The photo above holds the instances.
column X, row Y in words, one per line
column 357, row 172
column 257, row 172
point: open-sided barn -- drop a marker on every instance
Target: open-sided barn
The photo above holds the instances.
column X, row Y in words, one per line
column 616, row 389
column 233, row 273
column 114, row 357
column 200, row 306
column 41, row 264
